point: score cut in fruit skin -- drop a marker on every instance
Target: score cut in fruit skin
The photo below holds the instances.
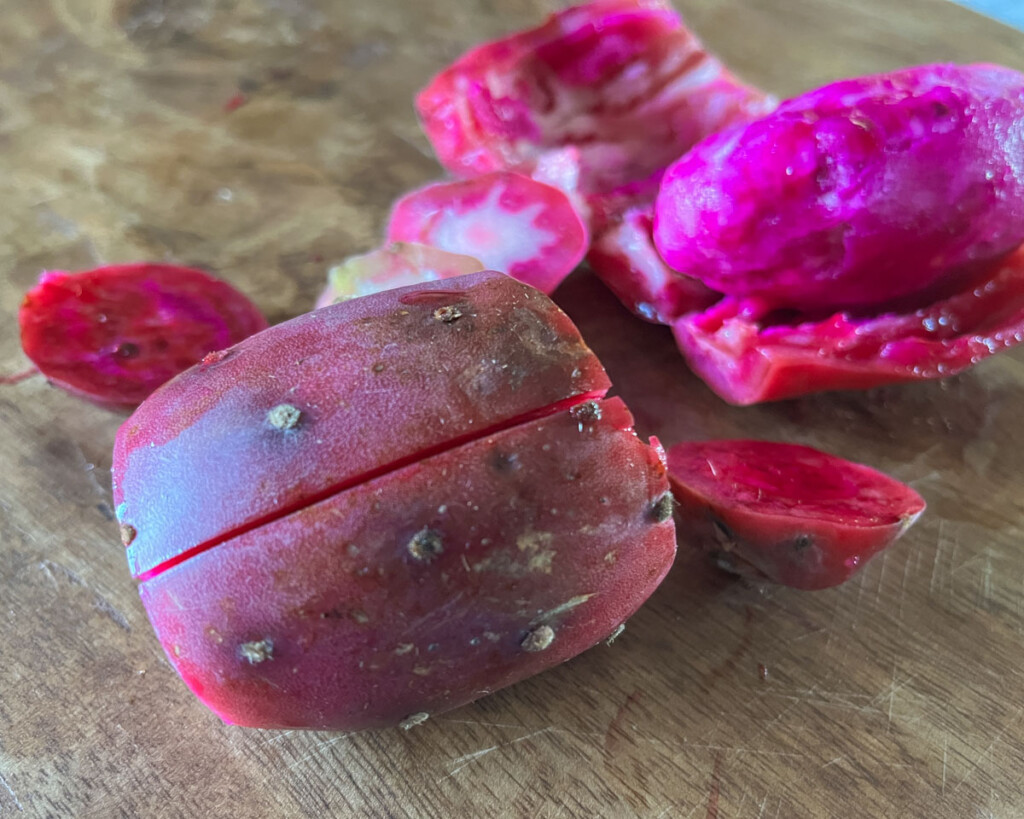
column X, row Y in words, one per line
column 784, row 512
column 114, row 334
column 388, row 507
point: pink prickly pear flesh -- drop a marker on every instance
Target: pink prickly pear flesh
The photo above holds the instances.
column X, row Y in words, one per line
column 388, row 507
column 114, row 334
column 510, row 222
column 858, row 194
column 621, row 80
column 787, row 513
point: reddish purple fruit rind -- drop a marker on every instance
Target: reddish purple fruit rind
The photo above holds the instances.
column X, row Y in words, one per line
column 328, row 619
column 747, row 359
column 855, row 194
column 788, row 513
column 625, row 259
column 622, row 80
column 512, row 223
column 114, row 334
column 331, row 397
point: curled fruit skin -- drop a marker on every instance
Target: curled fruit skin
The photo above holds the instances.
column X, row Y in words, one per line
column 625, row 259
column 114, row 334
column 857, row 194
column 388, row 507
column 748, row 357
column 512, row 223
column 621, row 81
column 786, row 513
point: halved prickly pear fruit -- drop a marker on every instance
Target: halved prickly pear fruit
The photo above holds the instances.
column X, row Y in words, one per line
column 747, row 356
column 388, row 507
column 114, row 334
column 784, row 512
column 625, row 259
column 510, row 222
column 397, row 264
column 857, row 194
column 622, row 80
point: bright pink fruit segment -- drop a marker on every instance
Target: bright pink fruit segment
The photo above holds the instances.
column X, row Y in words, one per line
column 510, row 222
column 398, row 264
column 746, row 357
column 857, row 194
column 788, row 513
column 625, row 259
column 330, row 398
column 114, row 334
column 422, row 589
column 622, row 80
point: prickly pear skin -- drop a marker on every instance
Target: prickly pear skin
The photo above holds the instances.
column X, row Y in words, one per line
column 623, row 80
column 333, row 397
column 856, row 194
column 427, row 587
column 746, row 360
column 784, row 512
column 114, row 334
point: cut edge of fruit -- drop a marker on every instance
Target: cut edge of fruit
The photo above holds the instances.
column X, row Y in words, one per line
column 372, row 474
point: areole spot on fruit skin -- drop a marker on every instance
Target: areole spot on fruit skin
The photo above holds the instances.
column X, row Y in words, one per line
column 389, row 545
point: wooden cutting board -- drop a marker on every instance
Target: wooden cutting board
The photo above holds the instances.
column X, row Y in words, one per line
column 264, row 139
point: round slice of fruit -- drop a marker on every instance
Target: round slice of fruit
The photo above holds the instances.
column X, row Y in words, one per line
column 786, row 513
column 510, row 222
column 114, row 334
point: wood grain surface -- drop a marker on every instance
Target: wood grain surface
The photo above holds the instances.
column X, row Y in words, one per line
column 264, row 139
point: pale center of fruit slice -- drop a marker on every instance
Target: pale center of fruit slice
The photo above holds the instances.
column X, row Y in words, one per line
column 501, row 238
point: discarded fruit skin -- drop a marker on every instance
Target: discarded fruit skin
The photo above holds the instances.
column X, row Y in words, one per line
column 747, row 358
column 114, row 334
column 510, row 222
column 857, row 194
column 397, row 264
column 625, row 259
column 621, row 80
column 786, row 513
column 357, row 545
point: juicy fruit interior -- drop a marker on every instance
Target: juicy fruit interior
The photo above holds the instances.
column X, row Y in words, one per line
column 795, row 481
column 115, row 334
column 512, row 223
column 855, row 194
